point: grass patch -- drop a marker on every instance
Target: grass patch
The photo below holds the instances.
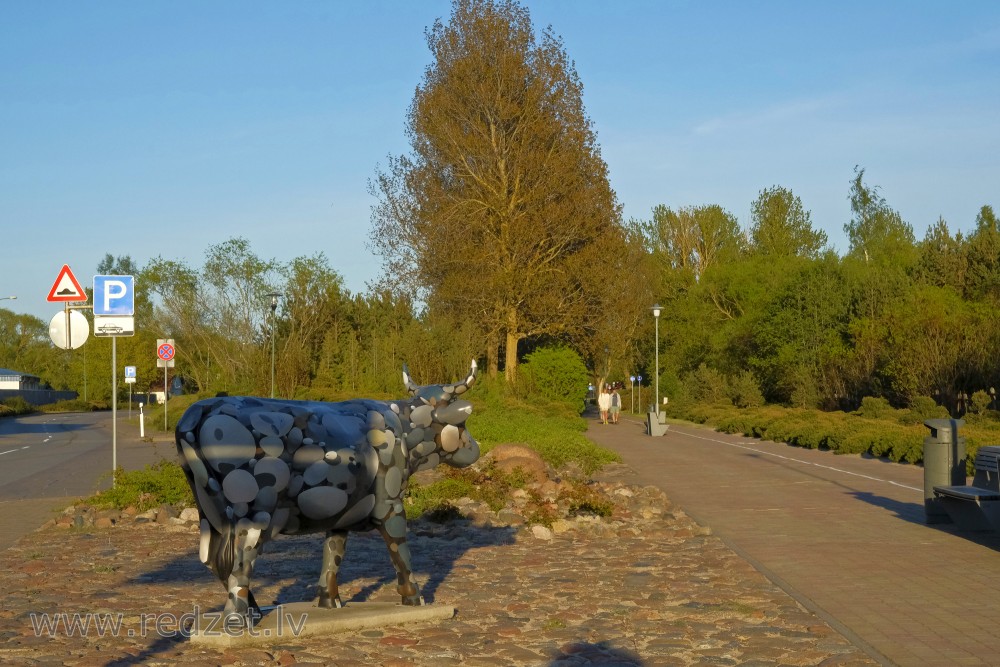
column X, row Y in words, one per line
column 554, row 430
column 162, row 483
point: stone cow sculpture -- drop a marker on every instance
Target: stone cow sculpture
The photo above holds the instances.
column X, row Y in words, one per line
column 259, row 467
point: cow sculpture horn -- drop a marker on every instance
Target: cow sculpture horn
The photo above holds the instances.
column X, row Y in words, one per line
column 410, row 385
column 413, row 388
column 469, row 380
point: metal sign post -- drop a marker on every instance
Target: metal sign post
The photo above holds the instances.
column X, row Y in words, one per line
column 165, row 352
column 114, row 307
column 114, row 409
column 130, row 380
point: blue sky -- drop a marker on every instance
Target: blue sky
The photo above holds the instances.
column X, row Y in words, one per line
column 161, row 128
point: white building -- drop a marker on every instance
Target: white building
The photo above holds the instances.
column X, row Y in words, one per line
column 18, row 381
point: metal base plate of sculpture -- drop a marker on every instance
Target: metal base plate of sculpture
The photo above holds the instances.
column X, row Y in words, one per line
column 262, row 467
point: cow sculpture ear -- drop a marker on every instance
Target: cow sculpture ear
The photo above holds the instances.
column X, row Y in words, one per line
column 410, row 386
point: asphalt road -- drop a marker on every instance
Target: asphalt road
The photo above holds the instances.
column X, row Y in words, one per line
column 47, row 460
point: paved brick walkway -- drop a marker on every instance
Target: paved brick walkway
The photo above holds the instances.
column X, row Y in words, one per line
column 844, row 535
column 649, row 587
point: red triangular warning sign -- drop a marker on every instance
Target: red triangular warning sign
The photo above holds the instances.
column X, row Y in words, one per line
column 66, row 287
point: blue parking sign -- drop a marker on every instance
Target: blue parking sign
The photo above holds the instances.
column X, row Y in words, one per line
column 114, row 295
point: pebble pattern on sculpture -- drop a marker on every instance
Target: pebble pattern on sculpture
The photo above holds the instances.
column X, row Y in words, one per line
column 259, row 467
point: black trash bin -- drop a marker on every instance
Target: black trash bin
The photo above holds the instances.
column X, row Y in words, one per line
column 944, row 464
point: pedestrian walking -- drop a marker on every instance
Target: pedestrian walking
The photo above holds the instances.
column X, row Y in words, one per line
column 615, row 408
column 604, row 403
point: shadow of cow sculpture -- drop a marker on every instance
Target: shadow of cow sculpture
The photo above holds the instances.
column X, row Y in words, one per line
column 259, row 467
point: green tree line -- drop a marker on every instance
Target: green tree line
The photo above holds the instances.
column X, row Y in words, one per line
column 772, row 306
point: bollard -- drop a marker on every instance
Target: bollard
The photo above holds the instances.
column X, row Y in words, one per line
column 142, row 422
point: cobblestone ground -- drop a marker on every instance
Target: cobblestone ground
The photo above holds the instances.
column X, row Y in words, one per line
column 647, row 588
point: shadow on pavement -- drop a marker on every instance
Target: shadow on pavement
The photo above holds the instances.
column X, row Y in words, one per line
column 601, row 653
column 914, row 513
column 13, row 428
column 298, row 558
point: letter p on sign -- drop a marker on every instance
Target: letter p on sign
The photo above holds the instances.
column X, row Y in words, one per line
column 114, row 295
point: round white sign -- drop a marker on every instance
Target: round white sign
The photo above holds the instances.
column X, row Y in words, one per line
column 69, row 332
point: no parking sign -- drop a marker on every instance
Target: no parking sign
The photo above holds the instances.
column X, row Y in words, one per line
column 165, row 352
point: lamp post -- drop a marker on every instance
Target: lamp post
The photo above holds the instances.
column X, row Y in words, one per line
column 631, row 386
column 656, row 317
column 5, row 298
column 274, row 307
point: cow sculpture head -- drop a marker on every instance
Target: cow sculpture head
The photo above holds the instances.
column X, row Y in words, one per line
column 437, row 417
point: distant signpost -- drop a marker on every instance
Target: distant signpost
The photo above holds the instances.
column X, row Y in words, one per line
column 165, row 352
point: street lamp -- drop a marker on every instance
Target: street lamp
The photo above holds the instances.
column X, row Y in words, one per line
column 656, row 317
column 4, row 298
column 274, row 307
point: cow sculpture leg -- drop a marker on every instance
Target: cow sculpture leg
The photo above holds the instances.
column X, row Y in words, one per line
column 333, row 556
column 232, row 556
column 393, row 531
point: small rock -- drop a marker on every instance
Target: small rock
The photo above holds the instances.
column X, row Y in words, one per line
column 511, row 518
column 164, row 513
column 541, row 532
column 562, row 526
column 189, row 514
column 103, row 522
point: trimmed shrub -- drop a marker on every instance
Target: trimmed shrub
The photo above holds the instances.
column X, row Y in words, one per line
column 921, row 409
column 979, row 402
column 557, row 374
column 744, row 391
column 873, row 407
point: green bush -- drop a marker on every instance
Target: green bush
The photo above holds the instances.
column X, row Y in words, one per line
column 75, row 405
column 979, row 402
column 15, row 405
column 557, row 374
column 744, row 391
column 921, row 409
column 707, row 385
column 873, row 407
column 162, row 483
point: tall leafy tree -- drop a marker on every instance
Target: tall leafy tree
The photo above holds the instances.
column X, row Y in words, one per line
column 983, row 254
column 877, row 233
column 943, row 258
column 780, row 225
column 502, row 213
column 693, row 239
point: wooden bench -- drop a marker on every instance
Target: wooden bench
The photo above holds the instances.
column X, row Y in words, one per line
column 976, row 507
column 656, row 423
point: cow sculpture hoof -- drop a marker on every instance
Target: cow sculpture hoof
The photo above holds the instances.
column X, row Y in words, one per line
column 263, row 467
column 327, row 602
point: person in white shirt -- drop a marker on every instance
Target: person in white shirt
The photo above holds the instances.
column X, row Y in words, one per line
column 604, row 402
